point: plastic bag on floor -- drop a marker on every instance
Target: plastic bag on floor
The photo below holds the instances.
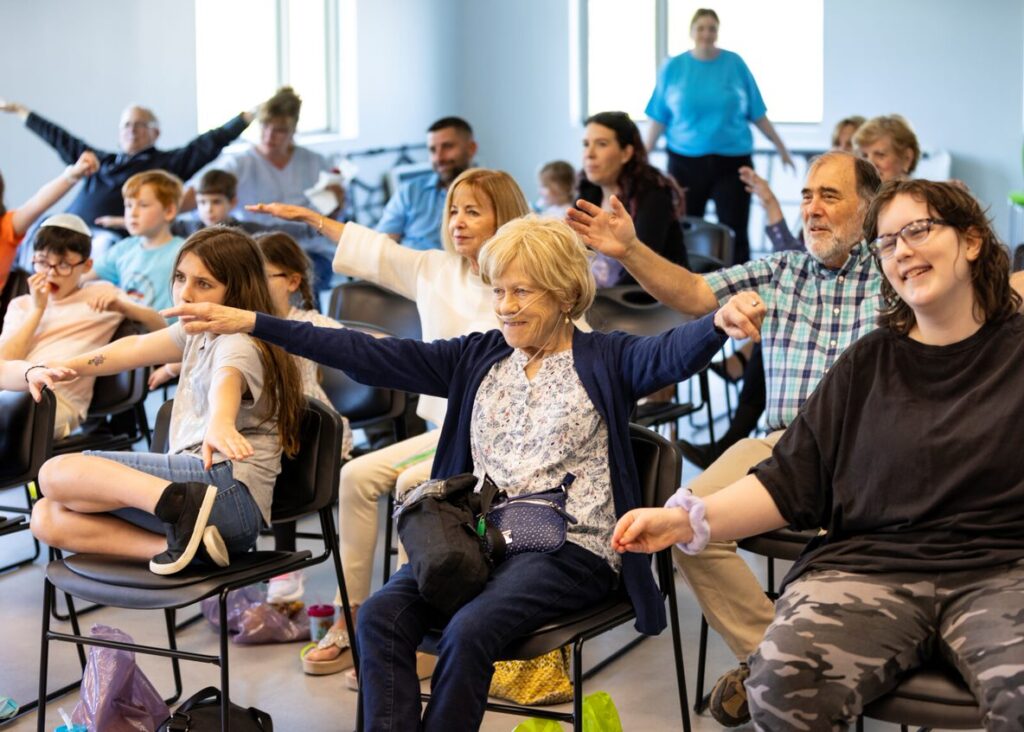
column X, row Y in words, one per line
column 116, row 695
column 599, row 715
column 251, row 620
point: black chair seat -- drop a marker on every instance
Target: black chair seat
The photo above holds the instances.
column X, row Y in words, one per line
column 99, row 439
column 610, row 613
column 932, row 696
column 128, row 583
column 10, row 524
column 649, row 414
column 780, row 544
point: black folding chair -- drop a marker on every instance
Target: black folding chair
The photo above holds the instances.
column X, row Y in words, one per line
column 305, row 486
column 706, row 239
column 659, row 465
column 631, row 309
column 934, row 695
column 365, row 406
column 117, row 413
column 26, row 442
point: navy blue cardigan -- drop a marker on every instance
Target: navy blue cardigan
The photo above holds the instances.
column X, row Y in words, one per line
column 615, row 368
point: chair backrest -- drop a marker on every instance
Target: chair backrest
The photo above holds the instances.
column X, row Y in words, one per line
column 708, row 239
column 26, row 435
column 16, row 285
column 120, row 392
column 632, row 310
column 309, row 480
column 365, row 302
column 659, row 464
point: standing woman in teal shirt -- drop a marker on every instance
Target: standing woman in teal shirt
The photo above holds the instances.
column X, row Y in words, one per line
column 704, row 102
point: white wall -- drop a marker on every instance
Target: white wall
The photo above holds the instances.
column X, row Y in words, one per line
column 80, row 62
column 955, row 69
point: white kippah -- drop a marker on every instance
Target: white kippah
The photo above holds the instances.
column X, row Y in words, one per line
column 68, row 221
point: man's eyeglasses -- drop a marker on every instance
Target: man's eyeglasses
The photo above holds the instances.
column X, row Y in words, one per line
column 914, row 234
column 138, row 125
column 61, row 268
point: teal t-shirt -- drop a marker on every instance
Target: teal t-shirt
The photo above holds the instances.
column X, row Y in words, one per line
column 707, row 106
column 143, row 273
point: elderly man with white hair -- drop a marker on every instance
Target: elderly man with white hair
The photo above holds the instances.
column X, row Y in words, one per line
column 100, row 196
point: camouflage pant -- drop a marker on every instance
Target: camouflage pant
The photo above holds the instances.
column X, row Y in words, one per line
column 840, row 640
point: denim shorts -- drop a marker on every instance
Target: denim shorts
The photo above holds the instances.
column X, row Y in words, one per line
column 235, row 513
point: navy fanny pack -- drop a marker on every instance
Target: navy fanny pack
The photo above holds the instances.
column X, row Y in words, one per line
column 535, row 522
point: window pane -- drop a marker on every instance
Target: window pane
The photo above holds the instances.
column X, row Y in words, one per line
column 621, row 62
column 235, row 71
column 782, row 43
column 306, row 67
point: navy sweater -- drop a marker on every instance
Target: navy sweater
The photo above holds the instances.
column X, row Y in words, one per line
column 100, row 194
column 615, row 368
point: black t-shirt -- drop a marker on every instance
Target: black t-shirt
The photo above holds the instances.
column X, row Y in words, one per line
column 910, row 456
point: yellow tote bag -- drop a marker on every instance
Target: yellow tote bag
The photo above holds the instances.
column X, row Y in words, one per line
column 537, row 682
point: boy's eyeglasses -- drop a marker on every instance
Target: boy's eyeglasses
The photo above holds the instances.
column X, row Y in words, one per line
column 914, row 234
column 61, row 268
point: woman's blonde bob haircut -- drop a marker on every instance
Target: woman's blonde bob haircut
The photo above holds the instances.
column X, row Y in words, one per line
column 899, row 132
column 502, row 191
column 549, row 253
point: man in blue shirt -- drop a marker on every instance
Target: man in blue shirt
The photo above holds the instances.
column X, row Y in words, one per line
column 413, row 215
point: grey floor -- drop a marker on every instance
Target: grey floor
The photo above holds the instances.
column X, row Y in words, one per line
column 642, row 684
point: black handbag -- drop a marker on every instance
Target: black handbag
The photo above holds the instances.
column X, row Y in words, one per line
column 201, row 713
column 437, row 523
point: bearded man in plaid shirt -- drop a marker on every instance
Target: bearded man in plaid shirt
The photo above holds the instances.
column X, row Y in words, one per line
column 811, row 305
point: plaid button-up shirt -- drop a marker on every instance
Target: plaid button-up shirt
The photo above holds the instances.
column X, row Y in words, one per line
column 813, row 314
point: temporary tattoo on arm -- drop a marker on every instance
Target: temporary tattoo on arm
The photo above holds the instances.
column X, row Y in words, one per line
column 97, row 360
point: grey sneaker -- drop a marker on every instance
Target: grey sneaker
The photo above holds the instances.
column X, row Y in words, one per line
column 727, row 701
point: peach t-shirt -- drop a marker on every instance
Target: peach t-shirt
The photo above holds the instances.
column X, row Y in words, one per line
column 9, row 241
column 69, row 327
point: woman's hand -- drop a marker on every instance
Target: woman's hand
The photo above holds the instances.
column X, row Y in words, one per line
column 110, row 222
column 40, row 377
column 286, row 211
column 39, row 287
column 742, row 315
column 610, row 232
column 226, row 440
column 787, row 161
column 648, row 530
column 205, row 317
column 755, row 184
column 159, row 377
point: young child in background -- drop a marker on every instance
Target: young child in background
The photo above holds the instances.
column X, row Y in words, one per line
column 289, row 280
column 16, row 222
column 557, row 180
column 141, row 264
column 62, row 316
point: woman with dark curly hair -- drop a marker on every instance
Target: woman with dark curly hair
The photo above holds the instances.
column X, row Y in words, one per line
column 615, row 163
column 900, row 455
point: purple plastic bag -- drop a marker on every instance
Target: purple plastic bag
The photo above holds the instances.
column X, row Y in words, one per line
column 116, row 695
column 251, row 620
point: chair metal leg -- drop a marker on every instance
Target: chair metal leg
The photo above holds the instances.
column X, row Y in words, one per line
column 577, row 686
column 331, row 541
column 225, row 701
column 143, row 423
column 44, row 655
column 677, row 648
column 702, row 660
column 172, row 643
column 388, row 532
column 55, row 554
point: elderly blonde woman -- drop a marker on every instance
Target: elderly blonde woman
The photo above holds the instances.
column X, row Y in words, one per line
column 451, row 301
column 889, row 143
column 527, row 404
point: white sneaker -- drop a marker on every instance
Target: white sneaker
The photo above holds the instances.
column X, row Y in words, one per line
column 286, row 587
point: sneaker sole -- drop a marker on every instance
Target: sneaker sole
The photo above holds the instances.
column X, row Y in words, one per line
column 198, row 531
column 214, row 545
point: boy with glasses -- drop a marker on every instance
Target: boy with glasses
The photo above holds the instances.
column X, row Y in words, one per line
column 63, row 315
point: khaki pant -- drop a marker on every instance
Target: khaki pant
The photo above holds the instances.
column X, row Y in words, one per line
column 731, row 597
column 363, row 482
column 66, row 418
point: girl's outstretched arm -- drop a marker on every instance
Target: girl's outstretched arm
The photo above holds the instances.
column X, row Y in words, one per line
column 126, row 353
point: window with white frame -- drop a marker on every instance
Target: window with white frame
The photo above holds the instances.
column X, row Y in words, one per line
column 782, row 42
column 246, row 49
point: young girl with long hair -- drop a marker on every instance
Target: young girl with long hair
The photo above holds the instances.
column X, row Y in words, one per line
column 237, row 408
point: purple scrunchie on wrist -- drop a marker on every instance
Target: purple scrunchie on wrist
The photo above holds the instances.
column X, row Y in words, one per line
column 694, row 506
